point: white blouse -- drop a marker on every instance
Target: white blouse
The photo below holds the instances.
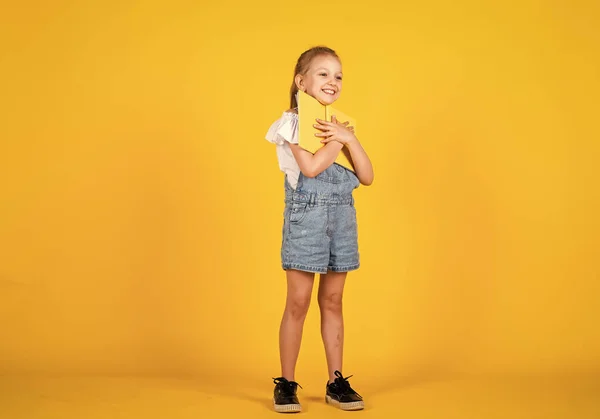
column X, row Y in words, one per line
column 282, row 132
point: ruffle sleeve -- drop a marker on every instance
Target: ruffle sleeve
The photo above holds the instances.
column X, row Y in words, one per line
column 284, row 129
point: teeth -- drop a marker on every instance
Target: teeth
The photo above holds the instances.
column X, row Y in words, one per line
column 329, row 91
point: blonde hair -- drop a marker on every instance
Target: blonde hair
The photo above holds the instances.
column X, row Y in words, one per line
column 303, row 65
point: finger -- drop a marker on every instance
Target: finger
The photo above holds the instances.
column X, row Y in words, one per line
column 334, row 119
column 329, row 139
column 323, row 134
column 324, row 128
column 346, row 123
column 323, row 122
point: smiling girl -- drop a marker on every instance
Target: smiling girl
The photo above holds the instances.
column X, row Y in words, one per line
column 319, row 227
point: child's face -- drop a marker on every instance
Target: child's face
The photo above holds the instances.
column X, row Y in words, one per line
column 323, row 80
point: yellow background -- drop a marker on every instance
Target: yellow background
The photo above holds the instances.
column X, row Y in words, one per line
column 141, row 207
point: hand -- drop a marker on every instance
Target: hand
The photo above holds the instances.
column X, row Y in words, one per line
column 335, row 131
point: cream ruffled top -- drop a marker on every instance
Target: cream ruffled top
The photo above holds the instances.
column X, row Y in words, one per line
column 281, row 133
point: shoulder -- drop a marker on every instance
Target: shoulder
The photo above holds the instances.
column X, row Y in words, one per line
column 284, row 129
column 286, row 117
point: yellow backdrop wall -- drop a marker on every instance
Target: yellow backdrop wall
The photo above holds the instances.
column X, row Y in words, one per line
column 141, row 207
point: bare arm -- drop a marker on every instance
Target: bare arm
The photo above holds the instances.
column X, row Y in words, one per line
column 362, row 163
column 313, row 164
column 334, row 132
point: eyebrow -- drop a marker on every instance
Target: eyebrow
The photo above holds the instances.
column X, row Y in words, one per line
column 323, row 68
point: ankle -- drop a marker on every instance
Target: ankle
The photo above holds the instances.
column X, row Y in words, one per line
column 290, row 376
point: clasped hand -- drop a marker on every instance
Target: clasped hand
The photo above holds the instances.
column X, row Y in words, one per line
column 335, row 131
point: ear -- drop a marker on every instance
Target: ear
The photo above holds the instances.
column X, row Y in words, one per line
column 299, row 80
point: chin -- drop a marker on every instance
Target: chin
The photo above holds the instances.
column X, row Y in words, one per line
column 327, row 100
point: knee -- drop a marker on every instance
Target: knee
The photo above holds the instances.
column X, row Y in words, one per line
column 331, row 302
column 297, row 306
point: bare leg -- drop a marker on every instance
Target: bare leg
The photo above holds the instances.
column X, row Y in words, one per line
column 331, row 289
column 299, row 290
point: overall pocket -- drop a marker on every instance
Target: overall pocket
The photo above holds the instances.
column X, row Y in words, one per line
column 298, row 212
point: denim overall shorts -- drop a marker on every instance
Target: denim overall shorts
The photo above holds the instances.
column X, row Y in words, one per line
column 319, row 227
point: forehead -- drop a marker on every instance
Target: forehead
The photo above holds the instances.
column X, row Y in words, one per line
column 326, row 61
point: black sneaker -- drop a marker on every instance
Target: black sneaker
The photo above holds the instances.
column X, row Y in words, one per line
column 284, row 396
column 340, row 394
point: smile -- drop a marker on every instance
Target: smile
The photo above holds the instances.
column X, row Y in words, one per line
column 329, row 91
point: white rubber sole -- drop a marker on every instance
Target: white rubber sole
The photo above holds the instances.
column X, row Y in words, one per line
column 345, row 406
column 287, row 408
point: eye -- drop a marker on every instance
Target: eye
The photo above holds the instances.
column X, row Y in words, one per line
column 339, row 77
column 322, row 74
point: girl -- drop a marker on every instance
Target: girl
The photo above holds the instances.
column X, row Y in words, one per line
column 319, row 227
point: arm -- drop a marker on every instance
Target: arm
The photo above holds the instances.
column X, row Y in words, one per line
column 313, row 164
column 334, row 132
column 362, row 163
